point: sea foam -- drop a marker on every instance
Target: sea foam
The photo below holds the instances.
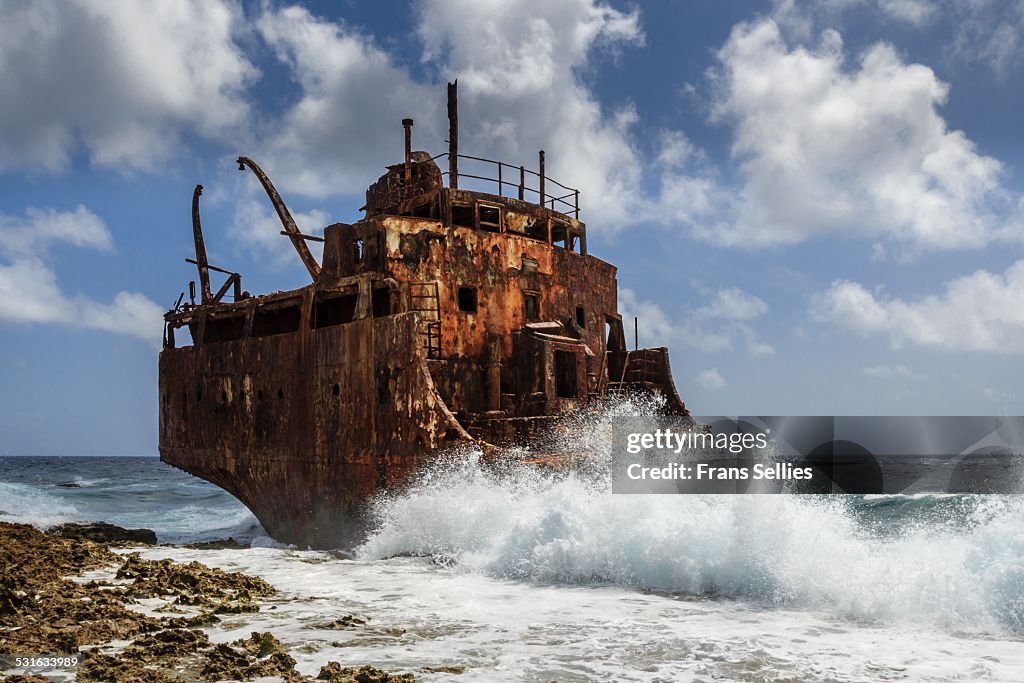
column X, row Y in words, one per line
column 961, row 570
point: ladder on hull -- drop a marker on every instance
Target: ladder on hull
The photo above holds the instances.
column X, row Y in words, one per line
column 424, row 299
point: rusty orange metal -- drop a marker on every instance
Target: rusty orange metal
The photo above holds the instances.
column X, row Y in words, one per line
column 446, row 315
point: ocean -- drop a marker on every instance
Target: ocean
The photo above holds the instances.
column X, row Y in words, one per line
column 526, row 575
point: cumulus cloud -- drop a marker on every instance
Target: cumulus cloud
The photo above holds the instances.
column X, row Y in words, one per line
column 733, row 304
column 122, row 80
column 40, row 228
column 711, row 379
column 982, row 311
column 518, row 66
column 29, row 292
column 346, row 125
column 825, row 146
column 711, row 328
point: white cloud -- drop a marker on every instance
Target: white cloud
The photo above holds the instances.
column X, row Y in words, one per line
column 891, row 371
column 829, row 147
column 41, row 227
column 346, row 125
column 915, row 12
column 29, row 292
column 990, row 32
column 801, row 18
column 710, row 329
column 256, row 224
column 518, row 65
column 733, row 304
column 711, row 379
column 675, row 149
column 983, row 311
column 987, row 32
column 124, row 80
column 755, row 347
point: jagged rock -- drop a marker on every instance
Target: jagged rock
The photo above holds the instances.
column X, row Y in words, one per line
column 102, row 532
column 56, row 614
column 170, row 643
column 261, row 654
column 194, row 584
column 109, row 669
column 347, row 621
column 335, row 673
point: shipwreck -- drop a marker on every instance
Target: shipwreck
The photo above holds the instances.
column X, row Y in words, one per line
column 445, row 315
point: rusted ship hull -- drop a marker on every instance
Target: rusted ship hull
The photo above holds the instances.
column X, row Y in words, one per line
column 302, row 431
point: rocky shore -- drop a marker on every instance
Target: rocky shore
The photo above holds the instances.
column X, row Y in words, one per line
column 68, row 592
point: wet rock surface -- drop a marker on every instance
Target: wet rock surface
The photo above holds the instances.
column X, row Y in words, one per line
column 194, row 584
column 103, row 532
column 43, row 611
column 335, row 673
column 347, row 621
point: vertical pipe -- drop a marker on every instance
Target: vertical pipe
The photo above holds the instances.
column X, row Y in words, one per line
column 542, row 201
column 499, row 180
column 636, row 333
column 407, row 124
column 522, row 182
column 453, row 135
column 577, row 204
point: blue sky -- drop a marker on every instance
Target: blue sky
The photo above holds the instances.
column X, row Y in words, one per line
column 817, row 206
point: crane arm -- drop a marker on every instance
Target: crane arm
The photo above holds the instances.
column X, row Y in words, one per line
column 286, row 218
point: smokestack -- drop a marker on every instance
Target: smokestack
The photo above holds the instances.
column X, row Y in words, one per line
column 407, row 124
column 453, row 134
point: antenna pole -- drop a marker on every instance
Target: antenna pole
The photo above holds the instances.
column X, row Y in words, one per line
column 453, row 135
column 636, row 333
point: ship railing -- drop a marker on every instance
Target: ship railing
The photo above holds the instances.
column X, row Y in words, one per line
column 522, row 183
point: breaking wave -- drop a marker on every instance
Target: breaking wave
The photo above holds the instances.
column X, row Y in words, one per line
column 29, row 505
column 959, row 564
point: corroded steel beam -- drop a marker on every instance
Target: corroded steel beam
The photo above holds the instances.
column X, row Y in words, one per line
column 201, row 261
column 286, row 218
